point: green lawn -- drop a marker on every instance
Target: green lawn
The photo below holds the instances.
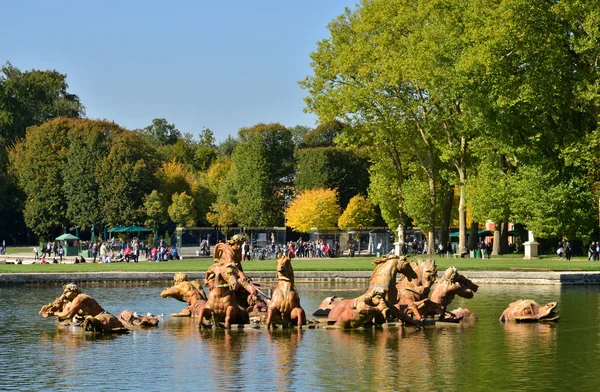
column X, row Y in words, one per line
column 504, row 262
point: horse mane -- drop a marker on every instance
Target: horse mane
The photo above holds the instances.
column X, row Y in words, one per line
column 224, row 253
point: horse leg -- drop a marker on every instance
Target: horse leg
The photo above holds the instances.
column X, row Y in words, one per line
column 271, row 311
column 201, row 314
column 299, row 315
column 229, row 314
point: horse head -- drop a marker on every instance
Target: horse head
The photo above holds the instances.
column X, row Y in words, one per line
column 405, row 268
column 284, row 269
column 427, row 272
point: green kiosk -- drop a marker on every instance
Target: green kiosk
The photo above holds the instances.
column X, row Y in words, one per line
column 71, row 248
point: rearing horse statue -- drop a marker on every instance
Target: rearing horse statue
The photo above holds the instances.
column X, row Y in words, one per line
column 285, row 301
column 413, row 295
column 384, row 275
column 223, row 280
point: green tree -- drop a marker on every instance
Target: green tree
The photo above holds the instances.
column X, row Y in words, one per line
column 222, row 214
column 162, row 133
column 39, row 161
column 89, row 143
column 26, row 99
column 263, row 166
column 182, row 210
column 332, row 167
column 126, row 175
column 227, row 146
column 156, row 211
column 360, row 212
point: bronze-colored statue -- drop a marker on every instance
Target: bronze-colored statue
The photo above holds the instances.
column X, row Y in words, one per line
column 413, row 294
column 451, row 285
column 285, row 301
column 365, row 310
column 231, row 252
column 326, row 305
column 132, row 320
column 526, row 310
column 223, row 281
column 186, row 291
column 81, row 309
column 384, row 275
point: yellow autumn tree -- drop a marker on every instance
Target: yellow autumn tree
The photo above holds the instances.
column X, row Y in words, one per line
column 316, row 208
column 360, row 212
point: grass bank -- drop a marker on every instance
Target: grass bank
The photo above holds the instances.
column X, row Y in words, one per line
column 501, row 263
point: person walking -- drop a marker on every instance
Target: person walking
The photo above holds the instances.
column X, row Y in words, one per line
column 596, row 251
column 568, row 251
column 560, row 250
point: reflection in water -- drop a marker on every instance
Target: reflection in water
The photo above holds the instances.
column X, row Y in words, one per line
column 282, row 346
column 486, row 355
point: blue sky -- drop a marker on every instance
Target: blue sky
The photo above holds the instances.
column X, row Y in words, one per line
column 222, row 65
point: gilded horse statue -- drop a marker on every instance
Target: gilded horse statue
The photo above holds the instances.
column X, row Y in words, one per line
column 285, row 301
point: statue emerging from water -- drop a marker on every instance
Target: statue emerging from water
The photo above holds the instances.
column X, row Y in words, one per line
column 224, row 279
column 526, row 310
column 76, row 308
column 186, row 291
column 451, row 285
column 365, row 310
column 285, row 301
column 384, row 275
column 413, row 295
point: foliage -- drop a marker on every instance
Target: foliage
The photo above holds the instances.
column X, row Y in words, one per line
column 332, row 167
column 554, row 207
column 313, row 208
column 26, row 98
column 39, row 162
column 324, row 135
column 386, row 192
column 298, row 134
column 263, row 165
column 127, row 174
column 162, row 133
column 89, row 143
column 182, row 210
column 227, row 146
column 360, row 212
column 156, row 211
column 222, row 214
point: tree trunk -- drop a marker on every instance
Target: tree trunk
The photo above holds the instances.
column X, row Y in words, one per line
column 496, row 245
column 462, row 211
column 504, row 249
column 473, row 236
column 432, row 198
column 446, row 216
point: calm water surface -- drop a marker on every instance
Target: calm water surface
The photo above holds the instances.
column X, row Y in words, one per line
column 487, row 355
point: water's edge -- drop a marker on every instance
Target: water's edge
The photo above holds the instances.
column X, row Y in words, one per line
column 501, row 277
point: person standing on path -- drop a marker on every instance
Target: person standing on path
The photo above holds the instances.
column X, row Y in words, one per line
column 568, row 251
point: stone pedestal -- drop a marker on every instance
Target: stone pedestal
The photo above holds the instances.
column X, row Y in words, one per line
column 531, row 250
column 531, row 247
column 398, row 248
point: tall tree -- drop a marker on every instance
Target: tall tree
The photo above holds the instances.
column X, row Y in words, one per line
column 26, row 98
column 39, row 161
column 126, row 174
column 263, row 167
column 332, row 167
column 162, row 133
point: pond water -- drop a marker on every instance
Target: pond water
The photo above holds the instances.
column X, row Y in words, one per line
column 487, row 355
